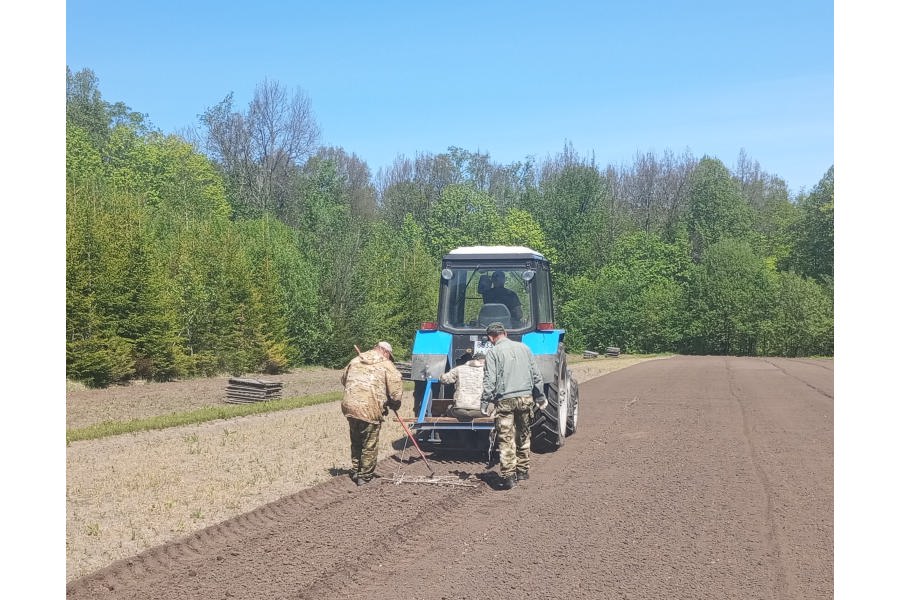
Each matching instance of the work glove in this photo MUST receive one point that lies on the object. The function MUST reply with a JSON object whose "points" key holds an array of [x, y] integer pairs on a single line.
{"points": [[488, 408], [393, 404], [541, 401]]}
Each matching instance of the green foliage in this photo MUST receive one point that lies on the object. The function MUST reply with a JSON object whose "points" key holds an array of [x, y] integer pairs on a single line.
{"points": [[86, 109], [234, 321], [578, 310], [150, 318], [403, 284], [464, 216], [404, 198], [179, 183], [333, 239], [571, 208], [803, 319], [84, 164], [353, 174], [157, 283], [716, 209], [632, 302], [164, 279], [813, 253], [184, 182], [417, 286], [729, 302], [98, 360], [776, 222], [118, 319], [291, 311], [520, 228]]}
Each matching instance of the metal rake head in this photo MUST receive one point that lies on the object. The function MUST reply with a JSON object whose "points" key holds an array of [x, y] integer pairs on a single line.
{"points": [[433, 480]]}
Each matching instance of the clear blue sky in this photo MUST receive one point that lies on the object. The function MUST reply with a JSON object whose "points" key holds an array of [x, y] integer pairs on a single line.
{"points": [[512, 79]]}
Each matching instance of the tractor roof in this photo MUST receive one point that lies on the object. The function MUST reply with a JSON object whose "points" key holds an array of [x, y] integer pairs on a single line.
{"points": [[494, 252]]}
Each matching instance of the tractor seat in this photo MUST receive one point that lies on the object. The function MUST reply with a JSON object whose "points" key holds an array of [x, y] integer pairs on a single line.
{"points": [[491, 313]]}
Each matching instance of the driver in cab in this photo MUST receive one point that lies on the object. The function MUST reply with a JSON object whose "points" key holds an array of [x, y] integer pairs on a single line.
{"points": [[495, 292]]}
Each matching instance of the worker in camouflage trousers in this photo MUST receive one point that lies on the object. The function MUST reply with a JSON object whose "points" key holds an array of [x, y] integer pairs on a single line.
{"points": [[469, 379], [372, 385], [510, 376]]}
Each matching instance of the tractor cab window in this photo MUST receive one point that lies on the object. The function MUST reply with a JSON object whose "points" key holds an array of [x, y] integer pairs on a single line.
{"points": [[543, 310], [474, 298]]}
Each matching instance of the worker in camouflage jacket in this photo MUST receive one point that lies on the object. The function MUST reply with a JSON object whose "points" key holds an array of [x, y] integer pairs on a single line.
{"points": [[510, 377], [469, 380], [372, 385]]}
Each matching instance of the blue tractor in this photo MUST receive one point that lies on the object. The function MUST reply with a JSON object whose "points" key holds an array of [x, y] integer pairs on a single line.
{"points": [[481, 285]]}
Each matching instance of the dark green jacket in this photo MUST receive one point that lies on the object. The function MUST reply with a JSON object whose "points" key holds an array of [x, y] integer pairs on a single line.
{"points": [[509, 371]]}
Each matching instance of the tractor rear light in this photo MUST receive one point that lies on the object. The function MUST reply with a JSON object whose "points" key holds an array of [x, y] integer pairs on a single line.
{"points": [[429, 326], [545, 327]]}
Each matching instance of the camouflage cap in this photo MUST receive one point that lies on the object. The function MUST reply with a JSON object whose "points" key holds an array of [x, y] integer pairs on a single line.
{"points": [[386, 346], [495, 328]]}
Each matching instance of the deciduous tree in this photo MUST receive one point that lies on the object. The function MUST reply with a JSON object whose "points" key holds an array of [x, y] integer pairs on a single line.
{"points": [[464, 216], [572, 209], [729, 301], [813, 253], [259, 150], [716, 209], [803, 320]]}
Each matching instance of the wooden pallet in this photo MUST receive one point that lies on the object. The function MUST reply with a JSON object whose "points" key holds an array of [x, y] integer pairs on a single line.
{"points": [[245, 391], [405, 369]]}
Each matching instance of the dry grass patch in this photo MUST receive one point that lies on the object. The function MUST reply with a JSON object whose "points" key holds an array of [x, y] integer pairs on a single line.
{"points": [[131, 492]]}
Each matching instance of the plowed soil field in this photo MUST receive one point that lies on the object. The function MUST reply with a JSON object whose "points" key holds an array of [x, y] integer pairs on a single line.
{"points": [[688, 478]]}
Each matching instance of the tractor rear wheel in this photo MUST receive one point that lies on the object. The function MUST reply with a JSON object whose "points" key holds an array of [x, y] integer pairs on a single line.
{"points": [[572, 420], [548, 431]]}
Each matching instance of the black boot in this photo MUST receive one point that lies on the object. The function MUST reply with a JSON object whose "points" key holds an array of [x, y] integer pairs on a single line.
{"points": [[507, 483]]}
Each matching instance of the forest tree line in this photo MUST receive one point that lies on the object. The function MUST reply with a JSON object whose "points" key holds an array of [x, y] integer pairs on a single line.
{"points": [[246, 246]]}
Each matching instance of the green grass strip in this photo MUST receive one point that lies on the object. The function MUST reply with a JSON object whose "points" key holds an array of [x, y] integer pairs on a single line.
{"points": [[193, 417]]}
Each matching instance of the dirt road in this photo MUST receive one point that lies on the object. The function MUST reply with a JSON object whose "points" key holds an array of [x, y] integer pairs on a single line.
{"points": [[692, 477]]}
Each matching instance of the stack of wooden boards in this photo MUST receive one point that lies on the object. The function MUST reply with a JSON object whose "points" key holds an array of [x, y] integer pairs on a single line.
{"points": [[405, 369], [245, 391]]}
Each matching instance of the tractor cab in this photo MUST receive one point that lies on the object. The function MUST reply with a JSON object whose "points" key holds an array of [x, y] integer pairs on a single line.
{"points": [[481, 285], [506, 284]]}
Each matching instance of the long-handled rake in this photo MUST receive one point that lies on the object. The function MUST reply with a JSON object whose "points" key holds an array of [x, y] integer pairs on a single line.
{"points": [[431, 477], [415, 443]]}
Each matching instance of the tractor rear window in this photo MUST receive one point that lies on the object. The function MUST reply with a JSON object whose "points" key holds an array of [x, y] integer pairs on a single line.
{"points": [[474, 298]]}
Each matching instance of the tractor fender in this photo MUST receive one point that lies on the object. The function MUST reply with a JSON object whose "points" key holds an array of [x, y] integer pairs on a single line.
{"points": [[430, 353], [545, 345]]}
